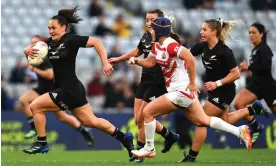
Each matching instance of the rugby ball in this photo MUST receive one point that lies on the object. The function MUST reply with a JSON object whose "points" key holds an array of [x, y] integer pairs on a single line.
{"points": [[41, 54]]}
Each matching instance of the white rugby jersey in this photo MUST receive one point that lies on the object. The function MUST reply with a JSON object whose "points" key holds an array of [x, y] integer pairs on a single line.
{"points": [[174, 69]]}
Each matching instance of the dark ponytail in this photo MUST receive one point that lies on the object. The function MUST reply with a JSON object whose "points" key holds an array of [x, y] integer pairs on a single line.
{"points": [[261, 29], [67, 16], [175, 37]]}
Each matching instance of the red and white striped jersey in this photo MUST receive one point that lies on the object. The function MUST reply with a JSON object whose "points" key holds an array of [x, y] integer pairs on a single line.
{"points": [[174, 69]]}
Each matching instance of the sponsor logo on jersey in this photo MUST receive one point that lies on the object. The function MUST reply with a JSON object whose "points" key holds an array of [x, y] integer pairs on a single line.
{"points": [[54, 52], [163, 56], [54, 57], [61, 46], [254, 52], [206, 63], [213, 57], [147, 46]]}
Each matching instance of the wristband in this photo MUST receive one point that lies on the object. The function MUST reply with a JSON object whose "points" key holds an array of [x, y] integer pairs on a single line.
{"points": [[218, 82]]}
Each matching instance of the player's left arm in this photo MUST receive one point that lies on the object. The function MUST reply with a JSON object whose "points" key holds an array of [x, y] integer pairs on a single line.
{"points": [[233, 75], [229, 62], [98, 45], [149, 62]]}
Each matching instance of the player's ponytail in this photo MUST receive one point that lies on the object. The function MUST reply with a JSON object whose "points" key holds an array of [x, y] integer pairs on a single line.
{"points": [[175, 37], [261, 29], [70, 15], [222, 27], [172, 19], [67, 16]]}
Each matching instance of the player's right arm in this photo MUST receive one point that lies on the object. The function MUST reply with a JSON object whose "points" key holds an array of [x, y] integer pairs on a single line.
{"points": [[98, 45], [133, 53]]}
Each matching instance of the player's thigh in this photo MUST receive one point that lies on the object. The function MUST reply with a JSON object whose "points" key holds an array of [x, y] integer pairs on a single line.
{"points": [[28, 97], [44, 103], [160, 106], [85, 114], [212, 110], [269, 95], [196, 114], [243, 98]]}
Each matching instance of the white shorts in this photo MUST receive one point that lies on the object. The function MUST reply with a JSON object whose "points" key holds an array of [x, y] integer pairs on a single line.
{"points": [[182, 98]]}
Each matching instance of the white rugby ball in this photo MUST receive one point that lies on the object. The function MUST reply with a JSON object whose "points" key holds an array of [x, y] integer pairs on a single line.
{"points": [[41, 54]]}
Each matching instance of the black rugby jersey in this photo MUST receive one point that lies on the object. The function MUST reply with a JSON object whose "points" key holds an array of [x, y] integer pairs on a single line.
{"points": [[218, 61], [153, 75], [260, 62], [62, 55], [43, 82]]}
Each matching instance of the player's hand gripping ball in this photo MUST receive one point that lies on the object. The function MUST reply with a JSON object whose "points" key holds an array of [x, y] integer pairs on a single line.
{"points": [[42, 52]]}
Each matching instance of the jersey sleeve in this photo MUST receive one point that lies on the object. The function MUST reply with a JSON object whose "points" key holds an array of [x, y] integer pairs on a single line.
{"points": [[78, 41], [174, 49], [197, 49], [229, 60], [140, 46]]}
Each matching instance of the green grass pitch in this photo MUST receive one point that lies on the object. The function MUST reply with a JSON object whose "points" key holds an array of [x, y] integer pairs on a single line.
{"points": [[258, 157]]}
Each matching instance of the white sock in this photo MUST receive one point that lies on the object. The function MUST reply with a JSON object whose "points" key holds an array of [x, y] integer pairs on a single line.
{"points": [[149, 132], [219, 124]]}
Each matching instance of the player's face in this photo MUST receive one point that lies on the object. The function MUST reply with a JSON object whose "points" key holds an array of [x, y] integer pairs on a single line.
{"points": [[34, 40], [254, 35], [56, 30], [206, 32], [149, 18]]}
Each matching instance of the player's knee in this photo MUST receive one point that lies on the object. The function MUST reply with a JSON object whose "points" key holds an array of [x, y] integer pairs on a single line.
{"points": [[23, 101], [146, 114], [238, 105], [273, 109], [202, 122], [140, 123], [61, 118], [34, 107]]}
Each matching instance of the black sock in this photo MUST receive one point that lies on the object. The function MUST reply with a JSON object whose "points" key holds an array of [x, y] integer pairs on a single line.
{"points": [[81, 129], [253, 123], [42, 140], [31, 122], [118, 135], [83, 132], [140, 145], [251, 110], [164, 132], [193, 153]]}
